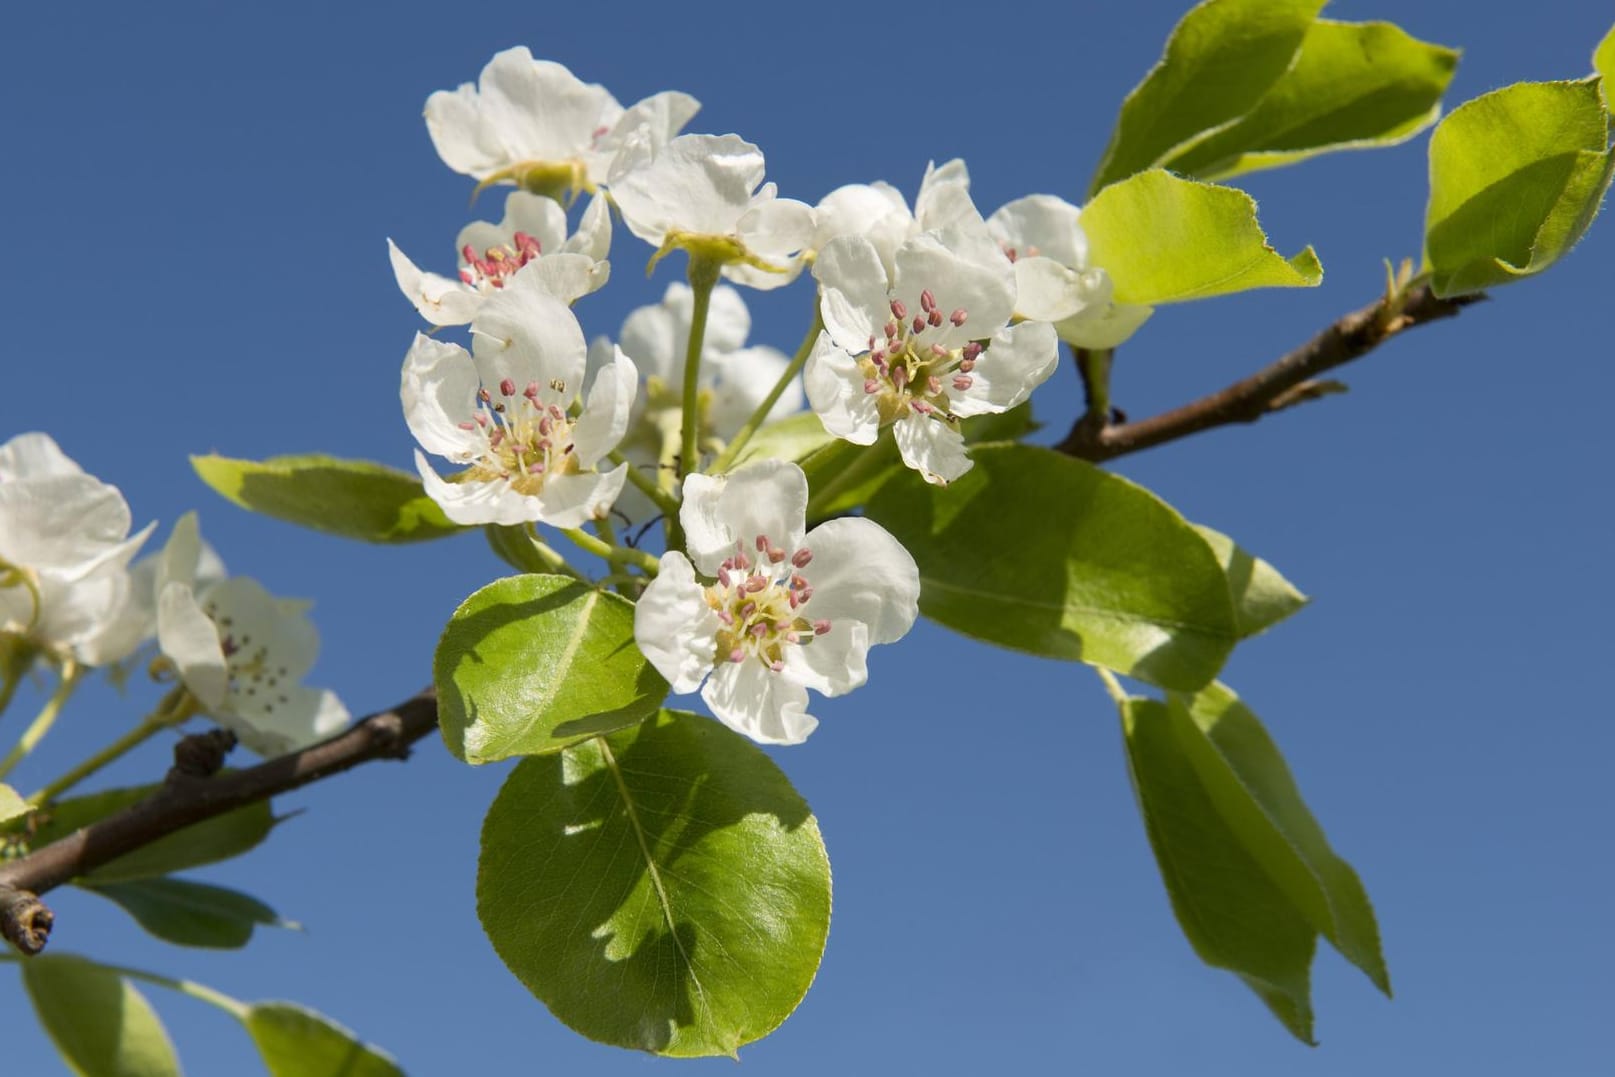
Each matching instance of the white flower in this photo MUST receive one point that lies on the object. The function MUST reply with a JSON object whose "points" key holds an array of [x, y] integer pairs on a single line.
{"points": [[533, 123], [785, 611], [503, 411], [1055, 281], [65, 547], [696, 192], [908, 352], [532, 238], [241, 652]]}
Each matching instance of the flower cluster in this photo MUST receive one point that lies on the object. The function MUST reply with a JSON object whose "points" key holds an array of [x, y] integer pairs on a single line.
{"points": [[926, 317]]}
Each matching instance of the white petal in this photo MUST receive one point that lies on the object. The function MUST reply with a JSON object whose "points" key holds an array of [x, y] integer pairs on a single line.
{"points": [[859, 572], [476, 502], [698, 183], [768, 497], [439, 300], [539, 109], [935, 449], [855, 210], [573, 500], [568, 277], [34, 456], [765, 706], [254, 617], [1041, 224], [741, 380], [67, 523], [835, 391], [854, 300], [454, 120], [605, 417], [832, 664], [439, 391], [294, 719], [985, 291], [674, 627], [593, 236], [1106, 327], [776, 229], [656, 119], [526, 334], [538, 216], [650, 337], [190, 639], [1017, 360], [1047, 291]]}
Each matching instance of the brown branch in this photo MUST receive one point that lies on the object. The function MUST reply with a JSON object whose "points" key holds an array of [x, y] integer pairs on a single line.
{"points": [[189, 796], [1281, 384]]}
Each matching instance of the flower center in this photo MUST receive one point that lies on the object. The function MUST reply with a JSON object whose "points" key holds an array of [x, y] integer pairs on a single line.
{"points": [[253, 673], [759, 600], [908, 374], [498, 263], [524, 440]]}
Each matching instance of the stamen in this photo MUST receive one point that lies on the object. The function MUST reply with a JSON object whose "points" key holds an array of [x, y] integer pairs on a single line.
{"points": [[820, 627], [801, 557], [899, 311], [957, 317]]}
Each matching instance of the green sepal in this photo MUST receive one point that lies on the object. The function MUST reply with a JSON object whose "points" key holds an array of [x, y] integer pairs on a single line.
{"points": [[531, 664], [661, 888], [1166, 239], [355, 499], [1516, 177]]}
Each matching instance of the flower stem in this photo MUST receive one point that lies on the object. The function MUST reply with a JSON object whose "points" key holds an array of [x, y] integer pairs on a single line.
{"points": [[864, 460], [703, 278], [1117, 694], [71, 674], [616, 555], [760, 416], [175, 708]]}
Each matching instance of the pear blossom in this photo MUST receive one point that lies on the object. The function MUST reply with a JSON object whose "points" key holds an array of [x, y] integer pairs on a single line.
{"points": [[503, 411], [1054, 276], [65, 547], [700, 192], [774, 611], [531, 238], [239, 651], [925, 348], [533, 123]]}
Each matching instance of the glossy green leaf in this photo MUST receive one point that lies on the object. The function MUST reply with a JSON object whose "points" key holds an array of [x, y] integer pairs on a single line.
{"points": [[1233, 914], [1516, 176], [531, 664], [211, 840], [1353, 86], [100, 1023], [1220, 60], [297, 1042], [190, 913], [1262, 597], [1039, 552], [12, 805], [662, 888], [1604, 64], [514, 546], [1241, 771], [1165, 239], [352, 498]]}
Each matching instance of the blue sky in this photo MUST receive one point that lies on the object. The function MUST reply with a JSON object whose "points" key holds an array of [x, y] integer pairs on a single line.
{"points": [[195, 206]]}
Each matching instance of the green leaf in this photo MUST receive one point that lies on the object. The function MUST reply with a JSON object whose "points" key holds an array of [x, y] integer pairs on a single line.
{"points": [[211, 840], [1220, 60], [531, 664], [1233, 914], [190, 913], [1262, 597], [352, 498], [1246, 778], [1604, 64], [297, 1042], [1165, 239], [1516, 176], [1353, 86], [1039, 552], [514, 546], [662, 888], [100, 1023], [794, 437], [12, 805]]}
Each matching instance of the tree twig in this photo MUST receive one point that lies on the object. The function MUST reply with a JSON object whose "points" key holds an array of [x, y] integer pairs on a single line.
{"points": [[1273, 387], [186, 798]]}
